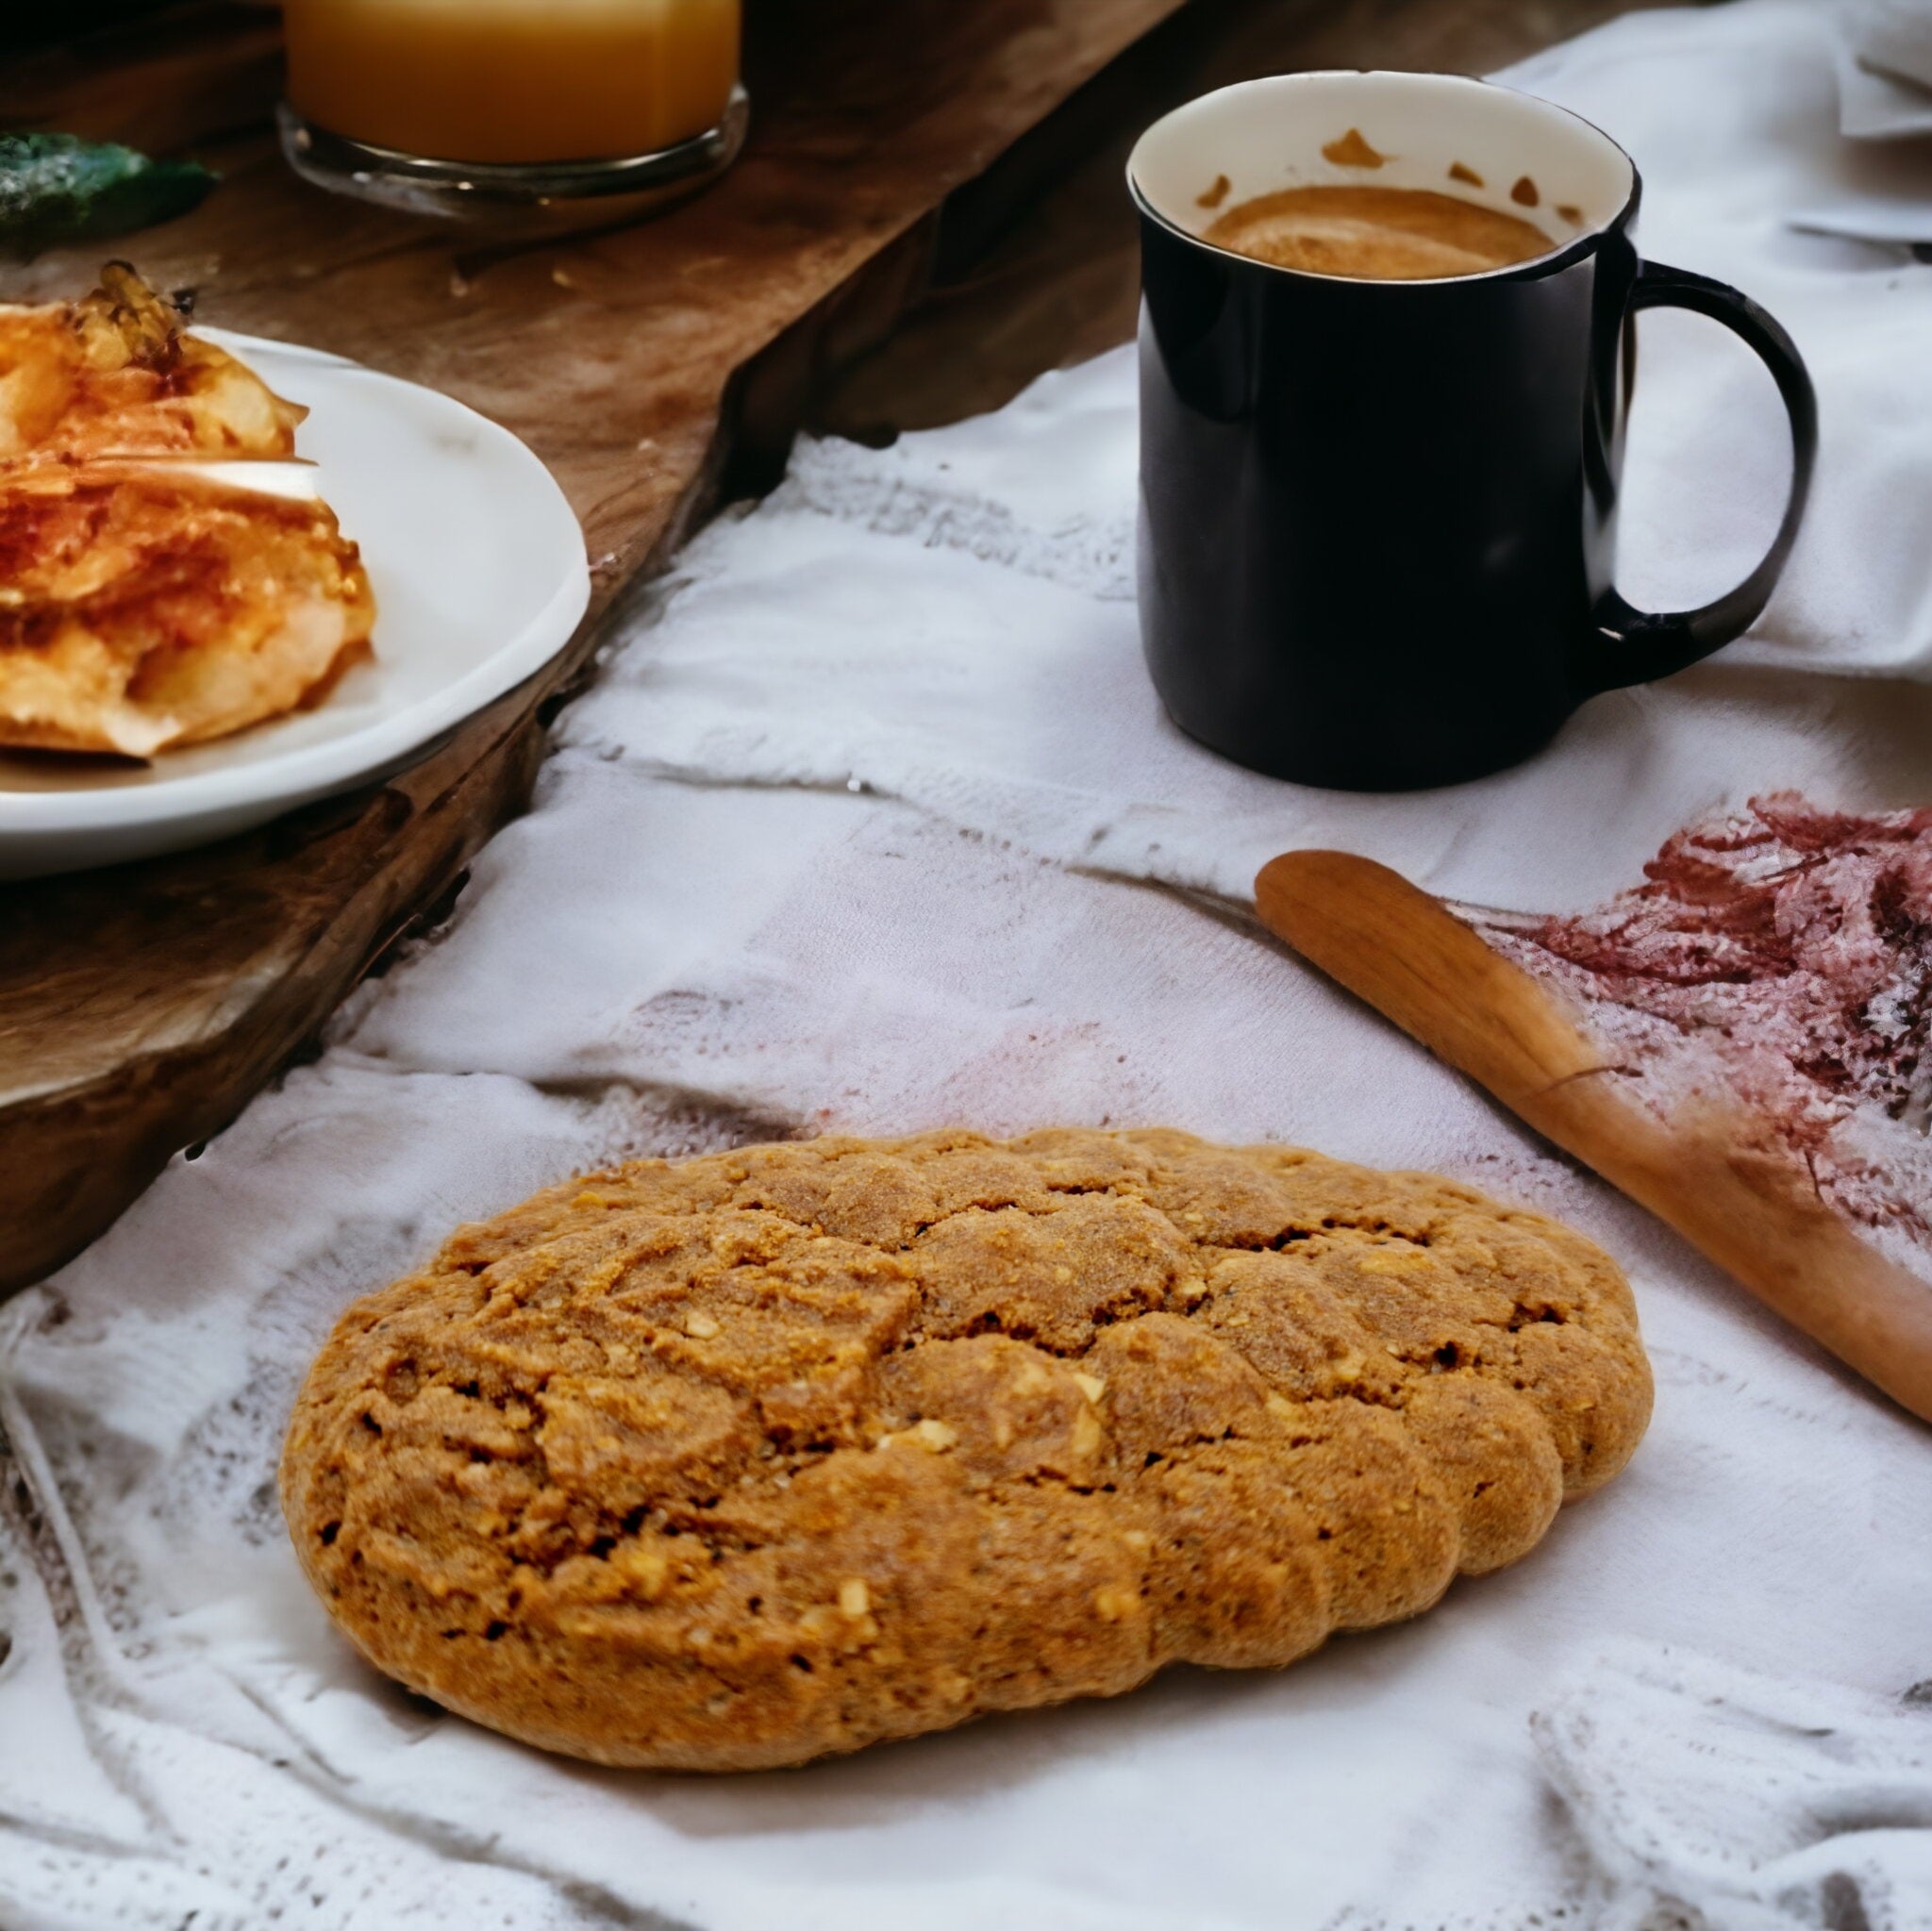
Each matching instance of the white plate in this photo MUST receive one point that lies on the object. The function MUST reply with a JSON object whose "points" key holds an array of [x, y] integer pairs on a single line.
{"points": [[480, 577]]}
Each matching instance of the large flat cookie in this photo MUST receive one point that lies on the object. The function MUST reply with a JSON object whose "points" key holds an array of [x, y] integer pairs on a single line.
{"points": [[731, 1463]]}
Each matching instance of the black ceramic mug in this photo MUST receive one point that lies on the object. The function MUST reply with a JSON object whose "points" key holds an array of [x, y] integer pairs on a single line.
{"points": [[1377, 517]]}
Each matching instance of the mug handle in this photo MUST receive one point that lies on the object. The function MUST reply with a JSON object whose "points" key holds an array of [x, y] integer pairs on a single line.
{"points": [[1633, 646]]}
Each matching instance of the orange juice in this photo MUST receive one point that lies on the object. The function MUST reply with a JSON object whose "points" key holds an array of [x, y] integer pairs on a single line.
{"points": [[514, 80]]}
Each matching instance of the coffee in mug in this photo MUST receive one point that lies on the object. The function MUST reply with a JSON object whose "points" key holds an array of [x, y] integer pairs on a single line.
{"points": [[1377, 234], [1387, 349]]}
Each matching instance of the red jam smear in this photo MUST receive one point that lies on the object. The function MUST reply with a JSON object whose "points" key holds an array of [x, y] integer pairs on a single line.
{"points": [[1791, 947]]}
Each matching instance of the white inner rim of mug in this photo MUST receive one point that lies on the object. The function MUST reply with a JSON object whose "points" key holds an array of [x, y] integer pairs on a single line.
{"points": [[1261, 135]]}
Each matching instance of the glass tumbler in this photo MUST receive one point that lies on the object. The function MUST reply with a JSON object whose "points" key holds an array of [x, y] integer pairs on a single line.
{"points": [[518, 109]]}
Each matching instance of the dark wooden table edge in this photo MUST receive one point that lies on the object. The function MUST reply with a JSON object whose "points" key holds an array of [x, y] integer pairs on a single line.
{"points": [[763, 405]]}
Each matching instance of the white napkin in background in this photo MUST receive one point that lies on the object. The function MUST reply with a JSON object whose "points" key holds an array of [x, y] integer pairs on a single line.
{"points": [[868, 827], [1892, 37], [1877, 107], [1882, 57]]}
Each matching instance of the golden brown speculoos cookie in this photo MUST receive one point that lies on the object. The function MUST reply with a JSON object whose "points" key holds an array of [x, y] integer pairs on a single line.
{"points": [[734, 1462]]}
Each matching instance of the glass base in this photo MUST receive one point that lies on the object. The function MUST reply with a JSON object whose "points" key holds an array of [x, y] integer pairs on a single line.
{"points": [[532, 195]]}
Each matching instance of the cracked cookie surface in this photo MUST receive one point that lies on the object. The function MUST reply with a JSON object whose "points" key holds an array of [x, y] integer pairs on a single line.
{"points": [[734, 1462]]}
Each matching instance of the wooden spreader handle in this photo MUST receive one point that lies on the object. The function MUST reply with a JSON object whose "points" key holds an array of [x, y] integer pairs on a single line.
{"points": [[1738, 1202]]}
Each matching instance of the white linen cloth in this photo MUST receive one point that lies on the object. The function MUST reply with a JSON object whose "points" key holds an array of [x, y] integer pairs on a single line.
{"points": [[1884, 50], [1892, 35], [872, 823], [1876, 105], [1877, 187], [1769, 1802]]}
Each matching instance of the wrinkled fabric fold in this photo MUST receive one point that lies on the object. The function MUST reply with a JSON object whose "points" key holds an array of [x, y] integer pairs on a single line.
{"points": [[873, 823]]}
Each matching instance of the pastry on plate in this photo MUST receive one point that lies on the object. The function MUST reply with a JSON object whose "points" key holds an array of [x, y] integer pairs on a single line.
{"points": [[166, 575], [736, 1462], [115, 374], [144, 607]]}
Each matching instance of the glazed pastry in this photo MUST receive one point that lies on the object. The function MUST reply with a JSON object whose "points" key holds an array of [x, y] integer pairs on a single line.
{"points": [[116, 374], [167, 575], [146, 608]]}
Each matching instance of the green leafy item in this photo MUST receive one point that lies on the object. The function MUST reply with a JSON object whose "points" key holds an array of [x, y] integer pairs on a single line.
{"points": [[58, 188]]}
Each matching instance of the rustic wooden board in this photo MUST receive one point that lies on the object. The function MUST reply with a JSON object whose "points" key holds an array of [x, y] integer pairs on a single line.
{"points": [[140, 1007]]}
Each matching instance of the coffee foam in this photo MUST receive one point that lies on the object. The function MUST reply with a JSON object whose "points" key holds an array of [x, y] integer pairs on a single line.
{"points": [[1377, 234]]}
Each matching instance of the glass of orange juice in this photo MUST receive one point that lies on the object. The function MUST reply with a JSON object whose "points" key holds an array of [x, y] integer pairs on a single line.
{"points": [[495, 108]]}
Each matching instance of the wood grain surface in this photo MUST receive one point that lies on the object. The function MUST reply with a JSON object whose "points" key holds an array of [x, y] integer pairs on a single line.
{"points": [[930, 214], [140, 1007], [1729, 1190]]}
